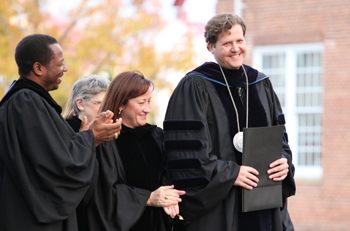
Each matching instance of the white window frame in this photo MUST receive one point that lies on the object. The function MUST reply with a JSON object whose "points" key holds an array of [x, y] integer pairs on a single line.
{"points": [[289, 109]]}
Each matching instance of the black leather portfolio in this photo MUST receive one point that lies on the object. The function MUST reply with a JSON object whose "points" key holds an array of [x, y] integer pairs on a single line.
{"points": [[261, 147]]}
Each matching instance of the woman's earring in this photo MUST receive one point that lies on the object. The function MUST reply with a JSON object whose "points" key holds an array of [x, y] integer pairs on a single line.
{"points": [[81, 109], [120, 111]]}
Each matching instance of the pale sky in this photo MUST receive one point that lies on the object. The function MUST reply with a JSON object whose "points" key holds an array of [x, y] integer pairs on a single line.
{"points": [[197, 10]]}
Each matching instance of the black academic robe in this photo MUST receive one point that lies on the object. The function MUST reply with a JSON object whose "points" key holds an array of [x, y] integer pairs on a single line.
{"points": [[82, 218], [45, 167], [116, 205], [199, 125], [74, 122]]}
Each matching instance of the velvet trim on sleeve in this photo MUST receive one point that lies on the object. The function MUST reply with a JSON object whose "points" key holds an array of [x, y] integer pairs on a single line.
{"points": [[193, 100]]}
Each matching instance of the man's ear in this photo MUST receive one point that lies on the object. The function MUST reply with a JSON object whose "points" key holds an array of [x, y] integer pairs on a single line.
{"points": [[38, 68], [210, 47]]}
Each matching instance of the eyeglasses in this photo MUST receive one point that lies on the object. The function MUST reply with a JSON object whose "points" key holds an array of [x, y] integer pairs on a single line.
{"points": [[96, 102]]}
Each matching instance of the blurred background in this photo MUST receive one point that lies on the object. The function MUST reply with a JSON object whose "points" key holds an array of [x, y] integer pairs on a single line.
{"points": [[302, 45], [106, 37]]}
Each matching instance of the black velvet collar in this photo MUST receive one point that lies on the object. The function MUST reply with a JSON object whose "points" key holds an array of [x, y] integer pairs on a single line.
{"points": [[139, 131], [22, 83], [234, 77], [237, 81]]}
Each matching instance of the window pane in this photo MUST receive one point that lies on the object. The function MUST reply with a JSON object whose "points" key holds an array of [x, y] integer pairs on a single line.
{"points": [[308, 106], [274, 67], [309, 139], [302, 98]]}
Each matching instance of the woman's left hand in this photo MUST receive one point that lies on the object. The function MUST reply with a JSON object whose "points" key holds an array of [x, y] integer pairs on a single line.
{"points": [[278, 169], [165, 196], [172, 210]]}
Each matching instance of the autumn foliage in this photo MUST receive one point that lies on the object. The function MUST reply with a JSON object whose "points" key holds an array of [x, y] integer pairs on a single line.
{"points": [[101, 37]]}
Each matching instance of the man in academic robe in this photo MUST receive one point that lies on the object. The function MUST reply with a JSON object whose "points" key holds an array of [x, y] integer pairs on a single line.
{"points": [[45, 167], [205, 112]]}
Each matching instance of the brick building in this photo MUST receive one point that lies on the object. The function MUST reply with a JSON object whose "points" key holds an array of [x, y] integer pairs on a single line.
{"points": [[303, 46]]}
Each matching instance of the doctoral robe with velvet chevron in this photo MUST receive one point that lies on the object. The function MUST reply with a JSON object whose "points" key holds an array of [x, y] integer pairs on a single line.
{"points": [[199, 126]]}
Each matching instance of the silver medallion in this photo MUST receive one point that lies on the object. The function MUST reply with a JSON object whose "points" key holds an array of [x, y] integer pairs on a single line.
{"points": [[238, 141], [238, 138]]}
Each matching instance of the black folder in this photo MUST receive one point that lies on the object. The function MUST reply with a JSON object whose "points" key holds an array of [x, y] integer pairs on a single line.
{"points": [[261, 147]]}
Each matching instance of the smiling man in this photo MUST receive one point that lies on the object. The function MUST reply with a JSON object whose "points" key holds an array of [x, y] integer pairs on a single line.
{"points": [[206, 114], [45, 167]]}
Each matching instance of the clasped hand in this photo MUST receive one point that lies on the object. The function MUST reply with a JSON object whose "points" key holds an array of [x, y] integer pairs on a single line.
{"points": [[168, 198], [247, 176]]}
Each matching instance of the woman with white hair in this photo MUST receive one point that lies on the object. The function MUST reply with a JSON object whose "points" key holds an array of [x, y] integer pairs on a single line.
{"points": [[85, 100]]}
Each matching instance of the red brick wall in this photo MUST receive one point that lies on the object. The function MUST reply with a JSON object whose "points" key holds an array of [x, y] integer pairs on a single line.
{"points": [[322, 205], [224, 6]]}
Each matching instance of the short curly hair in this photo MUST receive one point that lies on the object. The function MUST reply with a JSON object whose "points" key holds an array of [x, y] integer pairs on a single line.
{"points": [[219, 23], [31, 49]]}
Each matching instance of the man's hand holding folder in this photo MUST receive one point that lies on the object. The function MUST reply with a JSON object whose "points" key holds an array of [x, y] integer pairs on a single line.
{"points": [[263, 168]]}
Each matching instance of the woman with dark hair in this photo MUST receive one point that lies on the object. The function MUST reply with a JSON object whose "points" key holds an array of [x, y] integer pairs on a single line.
{"points": [[128, 195]]}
